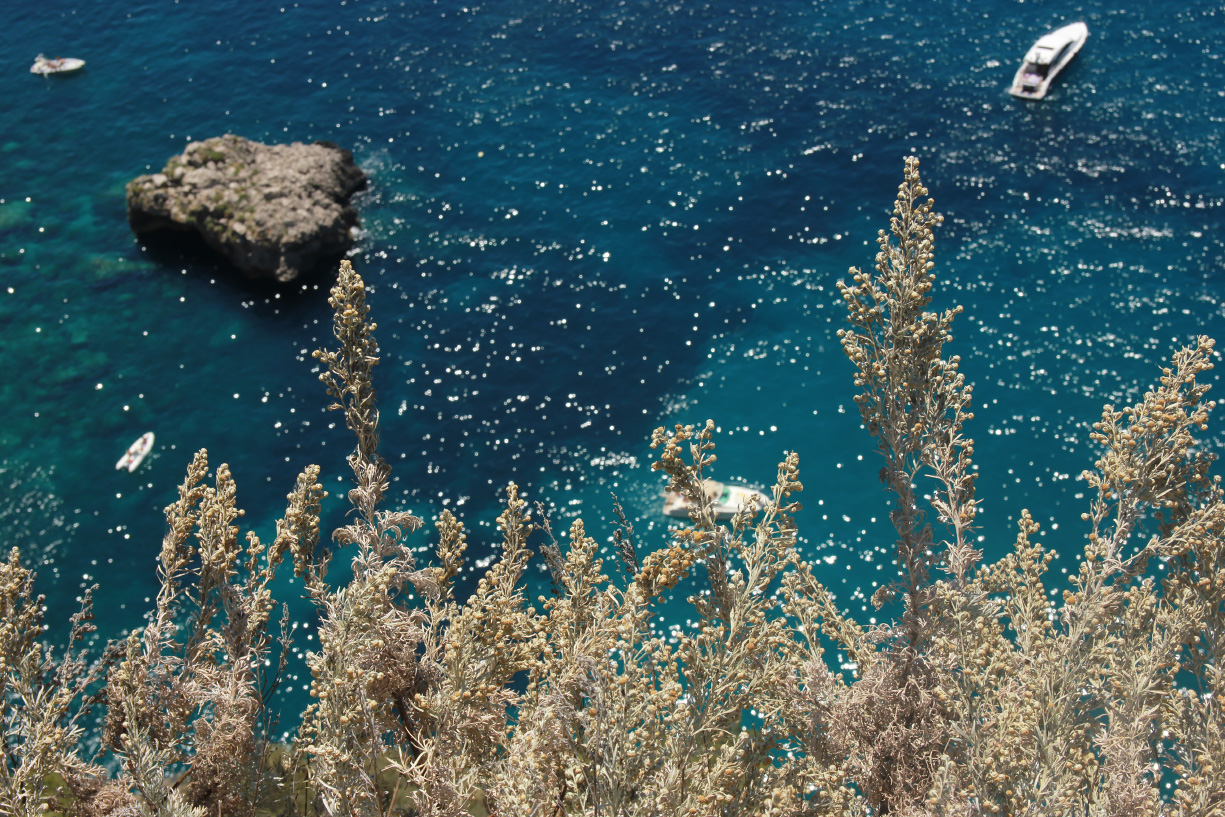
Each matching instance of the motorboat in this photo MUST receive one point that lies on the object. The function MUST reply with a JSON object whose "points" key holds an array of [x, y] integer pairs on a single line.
{"points": [[59, 65], [136, 453], [725, 499], [1046, 59]]}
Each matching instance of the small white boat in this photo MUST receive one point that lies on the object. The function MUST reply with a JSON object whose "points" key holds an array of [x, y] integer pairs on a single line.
{"points": [[59, 65], [725, 499], [1046, 59], [136, 452]]}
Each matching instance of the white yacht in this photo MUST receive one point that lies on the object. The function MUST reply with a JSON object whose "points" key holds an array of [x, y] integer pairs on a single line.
{"points": [[1046, 59], [725, 500], [59, 65]]}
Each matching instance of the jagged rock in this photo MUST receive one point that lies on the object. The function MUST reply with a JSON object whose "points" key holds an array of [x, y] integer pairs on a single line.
{"points": [[272, 210]]}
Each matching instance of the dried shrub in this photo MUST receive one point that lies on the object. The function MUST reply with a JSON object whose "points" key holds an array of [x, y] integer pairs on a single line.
{"points": [[984, 696]]}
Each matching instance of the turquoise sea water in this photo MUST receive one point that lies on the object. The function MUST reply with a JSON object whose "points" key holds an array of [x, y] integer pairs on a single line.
{"points": [[586, 220]]}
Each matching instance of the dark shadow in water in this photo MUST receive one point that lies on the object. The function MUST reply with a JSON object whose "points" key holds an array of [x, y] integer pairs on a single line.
{"points": [[187, 250]]}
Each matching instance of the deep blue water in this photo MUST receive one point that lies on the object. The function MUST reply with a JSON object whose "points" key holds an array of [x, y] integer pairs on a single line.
{"points": [[586, 220]]}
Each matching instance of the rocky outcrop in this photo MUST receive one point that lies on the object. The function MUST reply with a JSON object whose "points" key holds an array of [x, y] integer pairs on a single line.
{"points": [[272, 210]]}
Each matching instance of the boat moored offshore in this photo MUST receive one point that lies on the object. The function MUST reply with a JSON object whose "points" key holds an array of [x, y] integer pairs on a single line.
{"points": [[725, 500], [59, 65], [136, 453], [1046, 59]]}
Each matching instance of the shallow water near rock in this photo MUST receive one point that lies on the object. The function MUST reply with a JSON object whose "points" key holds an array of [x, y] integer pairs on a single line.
{"points": [[586, 221]]}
